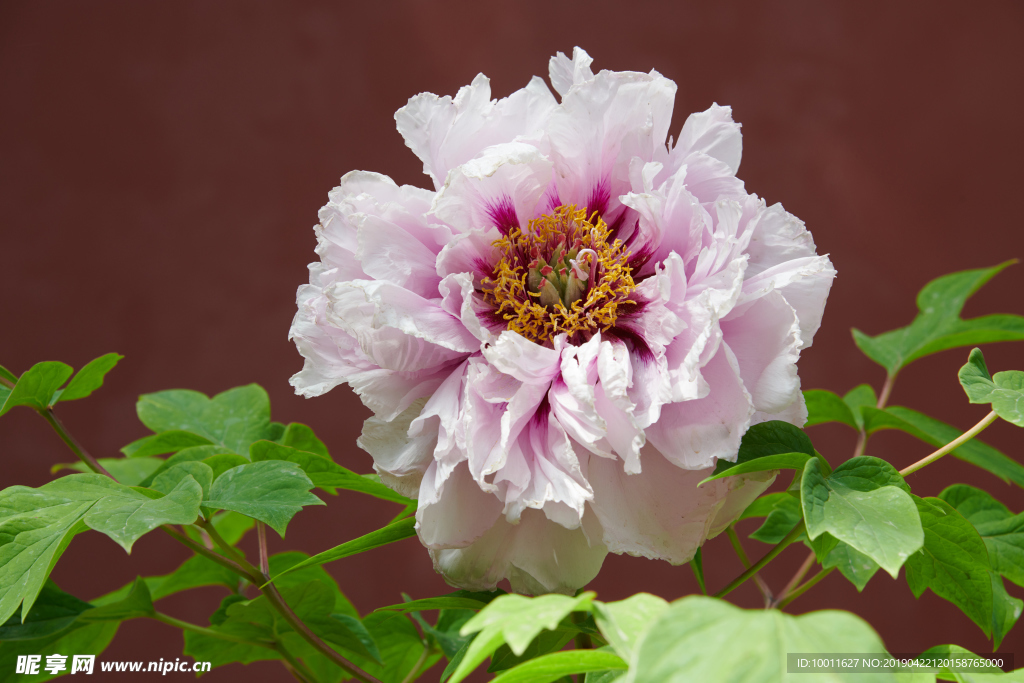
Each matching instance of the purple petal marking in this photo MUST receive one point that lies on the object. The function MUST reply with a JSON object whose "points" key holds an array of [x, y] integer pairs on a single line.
{"points": [[635, 339], [540, 418], [600, 195], [503, 213]]}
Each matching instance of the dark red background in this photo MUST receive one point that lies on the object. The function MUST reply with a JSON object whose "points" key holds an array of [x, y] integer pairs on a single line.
{"points": [[161, 166]]}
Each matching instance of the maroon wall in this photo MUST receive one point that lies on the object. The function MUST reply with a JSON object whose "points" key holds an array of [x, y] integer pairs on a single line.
{"points": [[161, 166]]}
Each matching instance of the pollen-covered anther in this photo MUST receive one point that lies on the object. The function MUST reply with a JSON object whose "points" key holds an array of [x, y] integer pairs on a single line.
{"points": [[544, 287]]}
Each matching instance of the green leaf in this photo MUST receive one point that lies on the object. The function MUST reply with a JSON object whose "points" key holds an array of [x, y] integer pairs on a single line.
{"points": [[401, 648], [53, 611], [191, 454], [1001, 530], [554, 666], [283, 562], [1005, 391], [953, 562], [857, 399], [88, 379], [168, 480], [219, 463], [165, 442], [881, 522], [857, 567], [1006, 610], [704, 639], [938, 325], [323, 471], [824, 406], [393, 532], [763, 506], [769, 438], [942, 652], [783, 517], [138, 603], [457, 600], [622, 622], [36, 385], [233, 419], [75, 640], [547, 641], [128, 471], [782, 461], [271, 491], [301, 437], [8, 375], [515, 620], [194, 572], [936, 433]]}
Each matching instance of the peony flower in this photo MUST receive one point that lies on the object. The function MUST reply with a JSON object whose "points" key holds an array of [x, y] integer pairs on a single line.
{"points": [[561, 337]]}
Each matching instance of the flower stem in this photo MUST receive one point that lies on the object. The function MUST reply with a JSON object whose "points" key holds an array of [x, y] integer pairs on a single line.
{"points": [[769, 556], [883, 398], [195, 628], [952, 445], [797, 578], [75, 447], [809, 584], [766, 592], [261, 533]]}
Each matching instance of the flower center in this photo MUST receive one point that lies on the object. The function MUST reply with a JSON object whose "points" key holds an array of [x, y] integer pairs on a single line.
{"points": [[559, 276]]}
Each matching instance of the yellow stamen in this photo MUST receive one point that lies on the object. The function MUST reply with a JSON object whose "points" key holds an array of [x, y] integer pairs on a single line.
{"points": [[567, 227]]}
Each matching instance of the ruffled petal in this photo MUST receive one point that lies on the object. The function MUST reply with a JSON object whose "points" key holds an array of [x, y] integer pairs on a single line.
{"points": [[446, 133], [714, 133], [660, 513], [536, 556], [694, 434], [500, 188], [565, 73]]}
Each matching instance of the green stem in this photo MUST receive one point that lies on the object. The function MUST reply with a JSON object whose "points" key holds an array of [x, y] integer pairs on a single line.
{"points": [[952, 445], [211, 531], [766, 591], [195, 628], [415, 670], [299, 670], [75, 447], [261, 534], [883, 398], [797, 578], [199, 549], [769, 556], [809, 584]]}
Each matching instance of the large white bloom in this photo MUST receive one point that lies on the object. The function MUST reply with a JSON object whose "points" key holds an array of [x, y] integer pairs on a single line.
{"points": [[561, 337]]}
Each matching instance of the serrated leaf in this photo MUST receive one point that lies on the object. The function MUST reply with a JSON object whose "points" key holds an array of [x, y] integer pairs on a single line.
{"points": [[768, 438], [552, 667], [36, 386], [323, 471], [704, 639], [515, 620], [824, 406], [1005, 391], [393, 532], [622, 622], [936, 433], [89, 378], [953, 562], [270, 491], [938, 325], [165, 442], [128, 471], [233, 419], [881, 522]]}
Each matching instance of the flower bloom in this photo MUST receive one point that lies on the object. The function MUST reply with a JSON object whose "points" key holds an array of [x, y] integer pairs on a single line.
{"points": [[563, 336]]}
